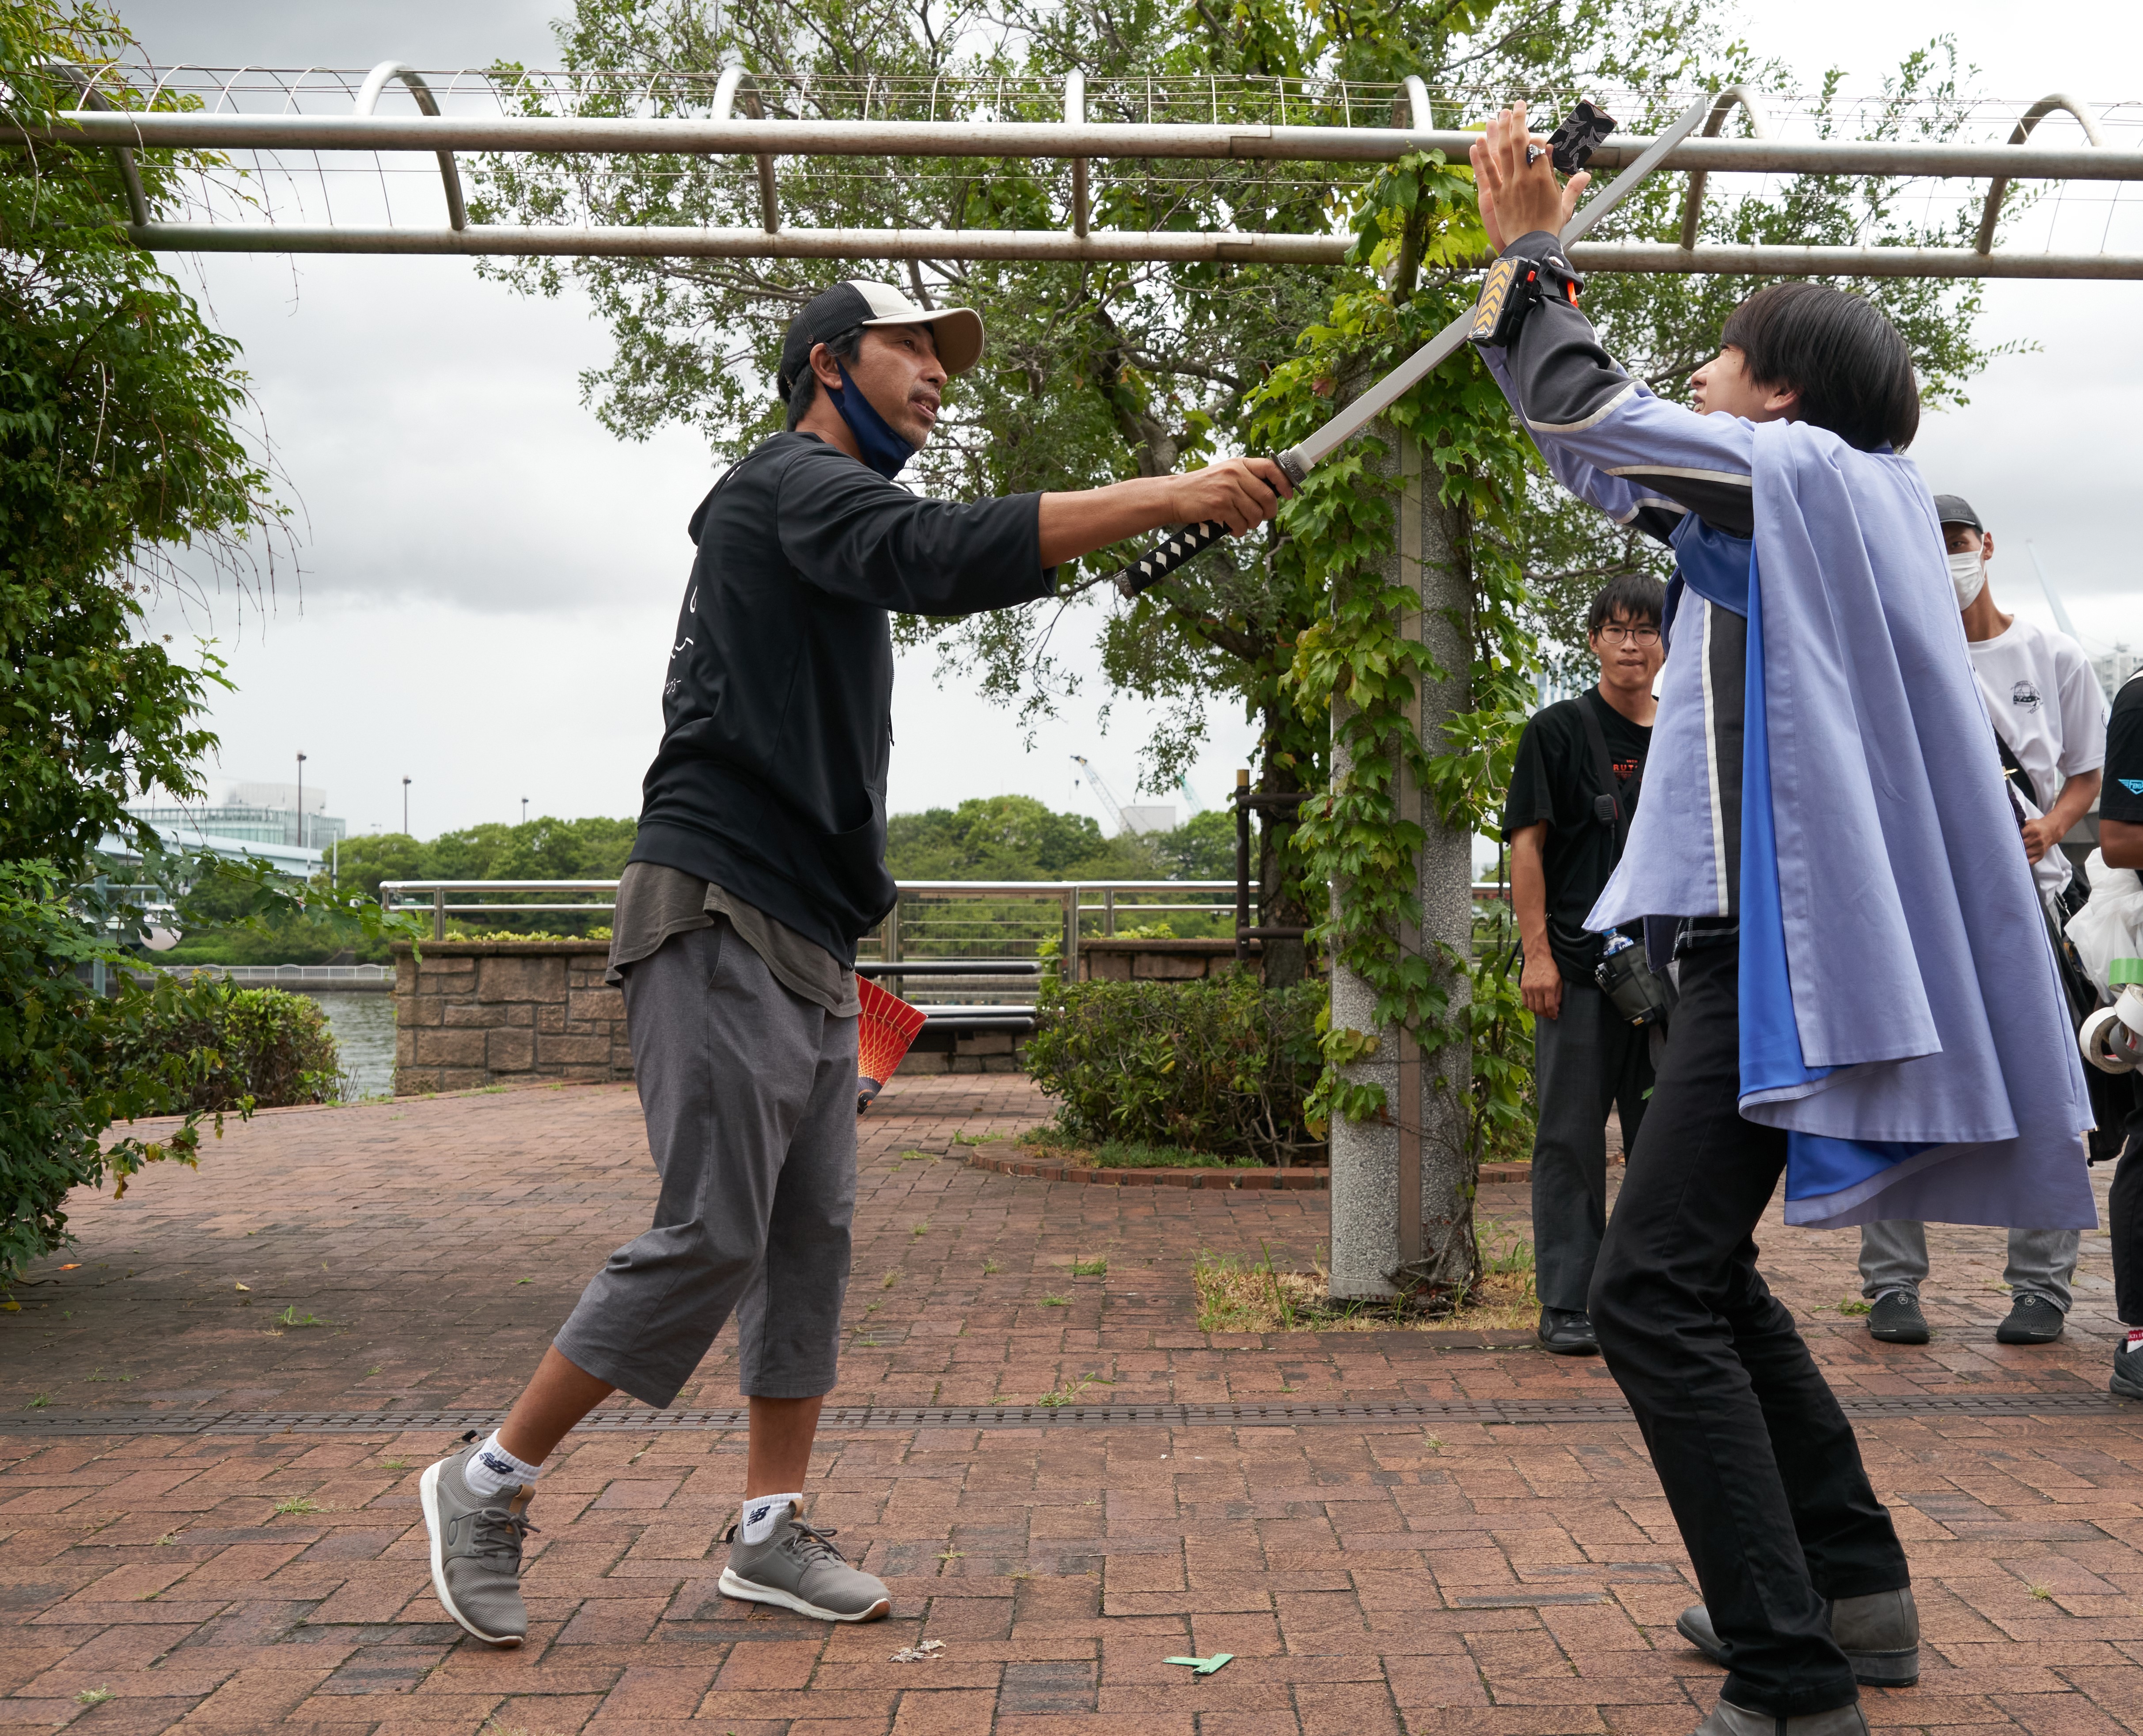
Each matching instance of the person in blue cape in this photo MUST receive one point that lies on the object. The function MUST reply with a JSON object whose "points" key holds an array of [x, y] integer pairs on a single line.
{"points": [[1868, 999]]}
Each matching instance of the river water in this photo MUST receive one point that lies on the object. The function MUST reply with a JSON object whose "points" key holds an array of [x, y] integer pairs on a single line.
{"points": [[363, 1028]]}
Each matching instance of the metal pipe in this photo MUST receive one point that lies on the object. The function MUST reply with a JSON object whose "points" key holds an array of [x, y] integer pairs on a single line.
{"points": [[368, 99], [1851, 261], [1075, 115], [682, 135], [1169, 245], [735, 77], [1721, 105], [129, 173], [1242, 863], [2038, 112]]}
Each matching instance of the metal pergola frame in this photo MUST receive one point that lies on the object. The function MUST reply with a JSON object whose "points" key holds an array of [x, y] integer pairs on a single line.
{"points": [[1074, 139]]}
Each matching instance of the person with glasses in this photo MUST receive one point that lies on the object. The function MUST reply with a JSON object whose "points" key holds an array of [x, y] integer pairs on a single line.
{"points": [[1565, 820]]}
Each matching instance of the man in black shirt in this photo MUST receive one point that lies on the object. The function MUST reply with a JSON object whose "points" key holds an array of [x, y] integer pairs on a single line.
{"points": [[760, 859], [2120, 842], [1568, 811]]}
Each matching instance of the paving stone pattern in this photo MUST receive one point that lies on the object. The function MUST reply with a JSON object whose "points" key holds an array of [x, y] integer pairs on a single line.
{"points": [[1461, 1576]]}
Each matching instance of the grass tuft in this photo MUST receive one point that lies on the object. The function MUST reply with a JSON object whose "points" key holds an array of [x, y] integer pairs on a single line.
{"points": [[1235, 1295], [296, 1504]]}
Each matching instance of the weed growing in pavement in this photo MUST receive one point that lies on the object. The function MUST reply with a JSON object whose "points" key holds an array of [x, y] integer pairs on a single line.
{"points": [[38, 1401], [1056, 1301], [920, 1230], [990, 1267], [892, 1278], [981, 1139], [296, 1504], [167, 1540], [2042, 1591], [1068, 1391], [393, 1464], [1236, 1296], [94, 1696], [290, 1316], [1854, 1305], [1090, 1269]]}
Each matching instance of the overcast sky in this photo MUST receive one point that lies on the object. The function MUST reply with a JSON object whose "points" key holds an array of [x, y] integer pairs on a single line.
{"points": [[487, 579]]}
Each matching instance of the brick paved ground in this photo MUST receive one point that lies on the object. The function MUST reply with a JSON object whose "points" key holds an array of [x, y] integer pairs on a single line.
{"points": [[1507, 1580]]}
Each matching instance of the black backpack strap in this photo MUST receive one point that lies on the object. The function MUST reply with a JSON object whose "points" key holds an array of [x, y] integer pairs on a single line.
{"points": [[2018, 777], [1603, 763]]}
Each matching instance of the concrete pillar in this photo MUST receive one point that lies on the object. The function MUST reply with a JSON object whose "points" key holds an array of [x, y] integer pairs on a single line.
{"points": [[1401, 1185]]}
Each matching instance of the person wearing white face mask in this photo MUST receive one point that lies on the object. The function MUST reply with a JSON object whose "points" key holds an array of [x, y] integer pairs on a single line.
{"points": [[2049, 717]]}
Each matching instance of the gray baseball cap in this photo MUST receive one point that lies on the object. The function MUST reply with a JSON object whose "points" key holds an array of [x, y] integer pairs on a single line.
{"points": [[1956, 509]]}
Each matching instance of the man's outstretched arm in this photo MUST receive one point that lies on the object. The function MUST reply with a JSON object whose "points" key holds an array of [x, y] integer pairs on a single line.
{"points": [[1240, 493]]}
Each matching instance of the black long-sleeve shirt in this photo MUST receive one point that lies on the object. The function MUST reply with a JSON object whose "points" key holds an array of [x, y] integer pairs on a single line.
{"points": [[777, 708]]}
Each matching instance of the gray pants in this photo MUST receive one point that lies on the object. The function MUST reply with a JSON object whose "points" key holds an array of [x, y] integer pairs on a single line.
{"points": [[1893, 1256], [749, 1093], [1589, 1060]]}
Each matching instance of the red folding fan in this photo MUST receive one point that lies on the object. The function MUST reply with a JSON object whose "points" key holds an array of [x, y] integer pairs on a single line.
{"points": [[887, 1027]]}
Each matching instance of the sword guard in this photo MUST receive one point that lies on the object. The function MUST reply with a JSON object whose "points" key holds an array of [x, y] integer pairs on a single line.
{"points": [[1168, 554]]}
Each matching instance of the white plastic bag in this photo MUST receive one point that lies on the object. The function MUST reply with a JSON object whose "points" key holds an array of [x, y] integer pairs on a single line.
{"points": [[2111, 926]]}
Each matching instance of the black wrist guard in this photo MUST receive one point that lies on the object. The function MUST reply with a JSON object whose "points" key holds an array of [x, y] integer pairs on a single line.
{"points": [[1512, 289]]}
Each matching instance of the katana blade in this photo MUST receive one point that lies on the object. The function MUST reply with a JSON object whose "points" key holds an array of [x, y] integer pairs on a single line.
{"points": [[1298, 461]]}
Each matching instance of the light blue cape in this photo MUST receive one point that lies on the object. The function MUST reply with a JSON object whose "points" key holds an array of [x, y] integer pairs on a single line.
{"points": [[1901, 1014]]}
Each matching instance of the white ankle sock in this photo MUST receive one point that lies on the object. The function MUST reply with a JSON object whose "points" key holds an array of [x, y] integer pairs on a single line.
{"points": [[491, 1470], [762, 1513]]}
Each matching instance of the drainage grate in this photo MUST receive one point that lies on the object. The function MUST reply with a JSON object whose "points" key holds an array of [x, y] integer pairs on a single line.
{"points": [[637, 1420]]}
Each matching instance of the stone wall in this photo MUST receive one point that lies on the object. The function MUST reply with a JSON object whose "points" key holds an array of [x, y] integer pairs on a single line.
{"points": [[494, 1012], [1105, 959]]}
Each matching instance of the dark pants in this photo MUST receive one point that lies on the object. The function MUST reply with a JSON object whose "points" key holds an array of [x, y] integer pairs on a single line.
{"points": [[2124, 1223], [1586, 1062], [1760, 1465]]}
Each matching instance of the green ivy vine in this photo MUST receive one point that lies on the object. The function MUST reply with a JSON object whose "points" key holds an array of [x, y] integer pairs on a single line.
{"points": [[1416, 229]]}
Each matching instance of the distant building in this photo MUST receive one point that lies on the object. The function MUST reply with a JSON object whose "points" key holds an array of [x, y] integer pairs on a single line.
{"points": [[256, 814], [2116, 667]]}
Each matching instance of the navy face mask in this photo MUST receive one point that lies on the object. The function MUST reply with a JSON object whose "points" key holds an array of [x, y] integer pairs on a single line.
{"points": [[883, 449]]}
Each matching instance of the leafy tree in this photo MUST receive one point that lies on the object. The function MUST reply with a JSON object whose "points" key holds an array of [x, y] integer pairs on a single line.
{"points": [[121, 445], [1100, 371]]}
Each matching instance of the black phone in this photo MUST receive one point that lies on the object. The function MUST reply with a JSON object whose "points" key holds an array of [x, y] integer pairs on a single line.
{"points": [[1583, 130]]}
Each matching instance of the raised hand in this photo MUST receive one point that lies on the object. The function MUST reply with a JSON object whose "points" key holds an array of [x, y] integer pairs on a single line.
{"points": [[1517, 197]]}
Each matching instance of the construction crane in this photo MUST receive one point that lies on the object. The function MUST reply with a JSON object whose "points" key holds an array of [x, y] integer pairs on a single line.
{"points": [[1109, 805], [1192, 804]]}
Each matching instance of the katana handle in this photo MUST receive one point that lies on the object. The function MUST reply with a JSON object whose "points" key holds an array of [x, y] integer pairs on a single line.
{"points": [[1171, 552], [1179, 546]]}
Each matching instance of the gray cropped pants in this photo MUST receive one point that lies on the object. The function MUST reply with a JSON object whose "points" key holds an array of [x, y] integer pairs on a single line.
{"points": [[749, 1093], [1893, 1256]]}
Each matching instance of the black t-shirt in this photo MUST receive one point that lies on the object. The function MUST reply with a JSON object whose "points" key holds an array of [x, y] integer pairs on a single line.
{"points": [[1556, 779], [2120, 796], [777, 709]]}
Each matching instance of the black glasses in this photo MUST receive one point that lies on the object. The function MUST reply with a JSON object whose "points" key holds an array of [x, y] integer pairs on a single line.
{"points": [[1631, 635]]}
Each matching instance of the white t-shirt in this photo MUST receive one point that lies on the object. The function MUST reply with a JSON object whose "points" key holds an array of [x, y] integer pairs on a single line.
{"points": [[2045, 701], [2047, 706]]}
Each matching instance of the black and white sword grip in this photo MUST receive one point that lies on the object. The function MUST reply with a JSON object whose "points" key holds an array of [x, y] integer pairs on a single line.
{"points": [[1179, 545], [1171, 552]]}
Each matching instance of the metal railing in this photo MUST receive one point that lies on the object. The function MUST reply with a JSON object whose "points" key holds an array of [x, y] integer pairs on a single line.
{"points": [[987, 936], [130, 107]]}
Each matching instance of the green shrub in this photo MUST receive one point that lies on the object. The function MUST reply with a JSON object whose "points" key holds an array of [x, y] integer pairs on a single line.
{"points": [[1219, 1065], [243, 1048]]}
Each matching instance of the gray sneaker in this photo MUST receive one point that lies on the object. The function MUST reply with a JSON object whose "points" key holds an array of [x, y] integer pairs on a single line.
{"points": [[476, 1550], [1879, 1634], [799, 1568]]}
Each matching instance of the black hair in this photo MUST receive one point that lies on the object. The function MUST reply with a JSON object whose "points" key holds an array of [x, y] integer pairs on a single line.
{"points": [[798, 393], [1849, 363], [1637, 595]]}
